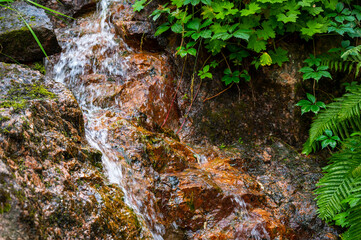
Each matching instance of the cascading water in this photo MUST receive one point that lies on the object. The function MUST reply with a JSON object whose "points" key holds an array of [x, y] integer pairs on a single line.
{"points": [[93, 53], [94, 49]]}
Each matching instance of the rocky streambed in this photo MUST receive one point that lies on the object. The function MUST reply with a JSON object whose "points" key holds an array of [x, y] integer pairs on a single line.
{"points": [[83, 154]]}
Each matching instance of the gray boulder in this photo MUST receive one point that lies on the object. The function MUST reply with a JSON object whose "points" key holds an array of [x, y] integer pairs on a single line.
{"points": [[17, 42]]}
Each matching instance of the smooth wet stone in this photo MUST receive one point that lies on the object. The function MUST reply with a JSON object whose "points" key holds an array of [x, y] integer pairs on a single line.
{"points": [[16, 39]]}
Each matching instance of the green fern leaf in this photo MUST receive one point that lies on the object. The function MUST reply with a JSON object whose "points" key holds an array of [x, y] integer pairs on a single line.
{"points": [[338, 183], [354, 220], [340, 116]]}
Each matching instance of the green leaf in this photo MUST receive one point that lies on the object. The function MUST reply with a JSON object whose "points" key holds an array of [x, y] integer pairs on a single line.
{"points": [[306, 70], [227, 71], [206, 23], [303, 102], [279, 56], [222, 35], [256, 44], [192, 51], [206, 34], [315, 109], [161, 29], [177, 27], [251, 9], [206, 68], [194, 24], [328, 132], [178, 3], [306, 3], [242, 34], [196, 35], [321, 104], [314, 11], [245, 75], [206, 2], [285, 18], [332, 143], [321, 138], [313, 61], [336, 138], [139, 5], [340, 219], [321, 68], [49, 9], [305, 109], [214, 64], [233, 27], [208, 13], [215, 46], [339, 7], [195, 2], [313, 27], [265, 59], [266, 32], [311, 97]]}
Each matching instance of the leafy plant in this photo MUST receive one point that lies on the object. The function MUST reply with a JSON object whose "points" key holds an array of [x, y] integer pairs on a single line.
{"points": [[310, 105], [204, 73], [314, 70], [328, 139], [234, 77], [342, 117]]}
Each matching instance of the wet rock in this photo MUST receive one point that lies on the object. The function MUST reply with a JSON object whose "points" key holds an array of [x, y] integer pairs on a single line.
{"points": [[138, 34], [15, 38], [207, 193], [135, 28], [70, 8], [56, 187]]}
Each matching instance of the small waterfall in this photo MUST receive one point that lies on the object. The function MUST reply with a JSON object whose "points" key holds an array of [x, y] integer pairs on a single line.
{"points": [[92, 52], [90, 47]]}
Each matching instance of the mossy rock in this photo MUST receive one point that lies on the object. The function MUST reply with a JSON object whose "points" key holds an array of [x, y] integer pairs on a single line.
{"points": [[18, 44]]}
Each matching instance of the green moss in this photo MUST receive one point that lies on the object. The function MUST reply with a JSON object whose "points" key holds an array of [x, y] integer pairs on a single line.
{"points": [[39, 67], [16, 105], [5, 200], [18, 95], [4, 119]]}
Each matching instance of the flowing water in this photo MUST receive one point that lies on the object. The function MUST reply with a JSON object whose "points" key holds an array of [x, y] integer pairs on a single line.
{"points": [[95, 49], [91, 48]]}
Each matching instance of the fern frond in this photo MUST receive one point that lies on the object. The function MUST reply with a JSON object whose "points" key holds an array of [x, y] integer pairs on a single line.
{"points": [[354, 223], [338, 183], [351, 52], [340, 116], [349, 60]]}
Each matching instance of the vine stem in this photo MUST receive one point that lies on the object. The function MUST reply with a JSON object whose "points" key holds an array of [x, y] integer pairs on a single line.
{"points": [[225, 59], [175, 94], [218, 93]]}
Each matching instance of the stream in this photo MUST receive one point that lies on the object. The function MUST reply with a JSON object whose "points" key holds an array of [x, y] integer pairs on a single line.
{"points": [[98, 67]]}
